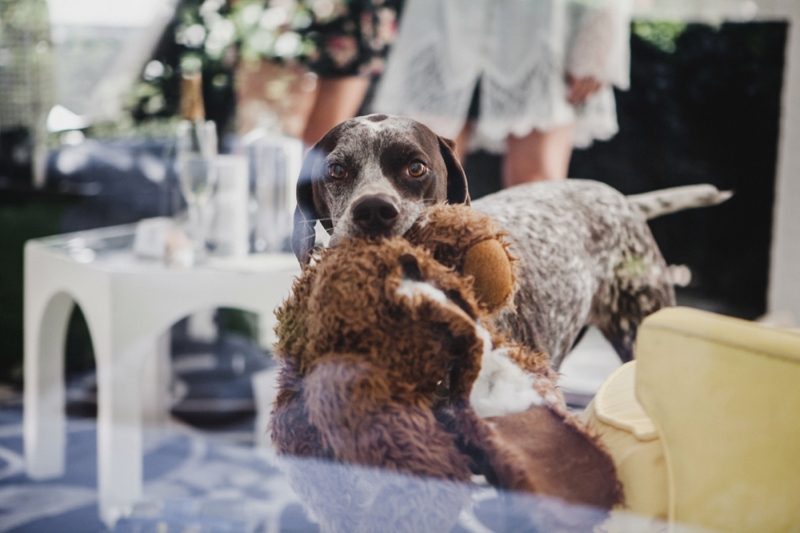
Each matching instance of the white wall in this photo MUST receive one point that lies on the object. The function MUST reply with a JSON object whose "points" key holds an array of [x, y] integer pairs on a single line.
{"points": [[784, 283]]}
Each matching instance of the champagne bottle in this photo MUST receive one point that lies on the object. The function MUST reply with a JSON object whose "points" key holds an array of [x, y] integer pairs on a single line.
{"points": [[197, 142], [196, 154]]}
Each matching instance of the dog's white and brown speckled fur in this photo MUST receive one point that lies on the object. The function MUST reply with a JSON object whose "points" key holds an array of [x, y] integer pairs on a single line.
{"points": [[587, 256]]}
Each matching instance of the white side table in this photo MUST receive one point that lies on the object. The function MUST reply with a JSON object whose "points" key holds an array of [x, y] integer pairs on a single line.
{"points": [[129, 306]]}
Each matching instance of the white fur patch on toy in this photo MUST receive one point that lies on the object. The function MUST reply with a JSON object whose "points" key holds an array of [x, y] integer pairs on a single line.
{"points": [[409, 288], [502, 387]]}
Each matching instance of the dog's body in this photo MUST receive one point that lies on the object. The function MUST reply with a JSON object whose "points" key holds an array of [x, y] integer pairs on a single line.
{"points": [[586, 253], [587, 257]]}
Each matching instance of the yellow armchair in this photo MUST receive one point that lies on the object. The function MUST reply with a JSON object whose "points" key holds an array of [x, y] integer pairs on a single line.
{"points": [[714, 438]]}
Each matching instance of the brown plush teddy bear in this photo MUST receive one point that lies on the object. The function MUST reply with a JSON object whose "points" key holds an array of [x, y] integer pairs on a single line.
{"points": [[388, 361]]}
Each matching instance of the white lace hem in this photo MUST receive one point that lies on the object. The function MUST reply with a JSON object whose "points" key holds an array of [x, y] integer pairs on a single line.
{"points": [[596, 120]]}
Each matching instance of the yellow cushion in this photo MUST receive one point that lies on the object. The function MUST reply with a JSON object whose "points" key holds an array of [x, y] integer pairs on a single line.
{"points": [[724, 395], [629, 436]]}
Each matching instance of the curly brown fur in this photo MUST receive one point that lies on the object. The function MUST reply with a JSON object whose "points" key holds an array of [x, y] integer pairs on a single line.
{"points": [[454, 234], [351, 404], [359, 277], [450, 232], [378, 341]]}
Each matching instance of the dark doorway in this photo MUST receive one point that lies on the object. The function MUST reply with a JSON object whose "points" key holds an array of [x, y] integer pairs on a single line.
{"points": [[703, 107]]}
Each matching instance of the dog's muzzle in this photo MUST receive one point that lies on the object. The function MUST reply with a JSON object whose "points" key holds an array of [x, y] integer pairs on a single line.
{"points": [[375, 214]]}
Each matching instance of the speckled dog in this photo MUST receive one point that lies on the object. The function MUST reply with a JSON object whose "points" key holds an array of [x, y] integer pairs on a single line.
{"points": [[587, 256]]}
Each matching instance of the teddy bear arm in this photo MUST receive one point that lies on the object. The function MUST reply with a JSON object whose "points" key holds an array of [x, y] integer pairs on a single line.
{"points": [[351, 404], [289, 427], [291, 432], [540, 451]]}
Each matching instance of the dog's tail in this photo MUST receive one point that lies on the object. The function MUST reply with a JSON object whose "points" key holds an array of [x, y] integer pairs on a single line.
{"points": [[656, 203]]}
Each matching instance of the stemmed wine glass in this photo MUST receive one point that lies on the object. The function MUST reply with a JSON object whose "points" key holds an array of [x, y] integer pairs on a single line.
{"points": [[197, 176]]}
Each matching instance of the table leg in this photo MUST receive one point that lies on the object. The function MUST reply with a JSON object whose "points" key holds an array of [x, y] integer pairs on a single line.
{"points": [[119, 430], [44, 423], [157, 375]]}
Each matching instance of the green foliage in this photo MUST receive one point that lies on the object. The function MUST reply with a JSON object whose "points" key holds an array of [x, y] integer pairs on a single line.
{"points": [[237, 321], [269, 32], [18, 223], [662, 35], [126, 127], [211, 36]]}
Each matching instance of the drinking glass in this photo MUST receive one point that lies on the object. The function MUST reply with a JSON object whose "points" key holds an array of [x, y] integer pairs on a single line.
{"points": [[197, 177], [275, 163]]}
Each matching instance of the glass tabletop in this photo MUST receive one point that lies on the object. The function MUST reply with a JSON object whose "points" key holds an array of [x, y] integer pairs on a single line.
{"points": [[112, 248]]}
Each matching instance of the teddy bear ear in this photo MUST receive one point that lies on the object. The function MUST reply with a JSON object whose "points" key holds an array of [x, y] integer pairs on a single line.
{"points": [[410, 265]]}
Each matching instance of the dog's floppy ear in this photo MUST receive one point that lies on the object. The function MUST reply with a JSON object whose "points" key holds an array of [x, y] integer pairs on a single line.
{"points": [[457, 190], [305, 214]]}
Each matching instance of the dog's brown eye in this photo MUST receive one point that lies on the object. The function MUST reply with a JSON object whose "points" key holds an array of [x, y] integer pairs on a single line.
{"points": [[417, 169], [337, 171]]}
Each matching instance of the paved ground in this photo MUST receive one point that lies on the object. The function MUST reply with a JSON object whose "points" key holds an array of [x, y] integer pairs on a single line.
{"points": [[589, 364]]}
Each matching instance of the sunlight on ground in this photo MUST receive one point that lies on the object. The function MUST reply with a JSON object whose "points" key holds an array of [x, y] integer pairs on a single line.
{"points": [[589, 364]]}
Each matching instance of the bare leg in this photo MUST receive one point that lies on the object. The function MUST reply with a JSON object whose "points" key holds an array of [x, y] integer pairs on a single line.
{"points": [[539, 156], [337, 100]]}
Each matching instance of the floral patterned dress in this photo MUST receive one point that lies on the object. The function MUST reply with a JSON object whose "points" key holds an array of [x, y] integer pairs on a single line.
{"points": [[349, 37]]}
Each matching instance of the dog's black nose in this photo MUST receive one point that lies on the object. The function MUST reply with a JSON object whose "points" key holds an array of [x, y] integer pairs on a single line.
{"points": [[375, 214]]}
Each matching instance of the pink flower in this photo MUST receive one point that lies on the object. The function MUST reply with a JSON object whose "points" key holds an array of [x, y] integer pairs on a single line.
{"points": [[387, 26], [343, 50]]}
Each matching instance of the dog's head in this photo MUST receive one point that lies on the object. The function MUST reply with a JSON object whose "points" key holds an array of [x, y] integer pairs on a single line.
{"points": [[374, 176]]}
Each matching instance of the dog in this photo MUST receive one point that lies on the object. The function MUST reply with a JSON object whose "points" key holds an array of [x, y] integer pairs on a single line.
{"points": [[587, 256]]}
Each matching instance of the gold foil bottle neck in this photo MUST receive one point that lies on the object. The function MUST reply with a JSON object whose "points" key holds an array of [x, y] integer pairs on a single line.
{"points": [[192, 97]]}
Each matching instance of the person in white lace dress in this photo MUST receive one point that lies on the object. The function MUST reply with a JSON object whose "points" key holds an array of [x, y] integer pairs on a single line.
{"points": [[544, 68]]}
